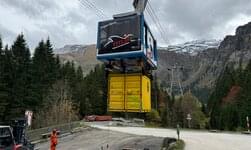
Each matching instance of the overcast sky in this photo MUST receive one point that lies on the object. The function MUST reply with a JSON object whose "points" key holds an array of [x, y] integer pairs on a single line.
{"points": [[69, 22]]}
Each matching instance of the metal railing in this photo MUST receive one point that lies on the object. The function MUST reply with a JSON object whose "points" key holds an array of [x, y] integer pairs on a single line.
{"points": [[37, 134]]}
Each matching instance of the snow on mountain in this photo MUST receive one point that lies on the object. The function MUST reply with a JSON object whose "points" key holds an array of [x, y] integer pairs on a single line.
{"points": [[70, 49], [193, 47]]}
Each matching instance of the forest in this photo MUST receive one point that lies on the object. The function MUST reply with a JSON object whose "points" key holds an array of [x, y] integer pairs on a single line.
{"points": [[230, 102], [55, 91]]}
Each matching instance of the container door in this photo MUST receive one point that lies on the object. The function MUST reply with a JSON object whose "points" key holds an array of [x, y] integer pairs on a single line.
{"points": [[133, 92], [146, 94], [116, 93]]}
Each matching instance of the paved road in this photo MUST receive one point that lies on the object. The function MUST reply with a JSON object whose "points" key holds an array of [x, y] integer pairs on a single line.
{"points": [[94, 139], [195, 140]]}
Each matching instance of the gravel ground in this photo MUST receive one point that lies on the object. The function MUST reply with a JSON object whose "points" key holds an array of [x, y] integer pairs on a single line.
{"points": [[94, 139]]}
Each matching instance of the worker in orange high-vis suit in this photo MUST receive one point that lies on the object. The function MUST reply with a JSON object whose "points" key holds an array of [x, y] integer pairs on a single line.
{"points": [[54, 139]]}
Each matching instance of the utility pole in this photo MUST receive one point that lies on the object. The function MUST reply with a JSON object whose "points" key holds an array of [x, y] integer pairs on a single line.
{"points": [[248, 126], [178, 131], [181, 90], [176, 79], [171, 90]]}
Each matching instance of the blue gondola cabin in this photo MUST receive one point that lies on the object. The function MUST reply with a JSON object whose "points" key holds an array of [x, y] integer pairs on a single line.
{"points": [[127, 37]]}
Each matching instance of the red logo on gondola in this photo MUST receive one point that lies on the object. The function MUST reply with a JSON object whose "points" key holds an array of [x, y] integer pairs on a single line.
{"points": [[118, 41]]}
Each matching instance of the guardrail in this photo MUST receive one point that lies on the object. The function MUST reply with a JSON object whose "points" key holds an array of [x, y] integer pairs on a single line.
{"points": [[37, 134], [135, 122]]}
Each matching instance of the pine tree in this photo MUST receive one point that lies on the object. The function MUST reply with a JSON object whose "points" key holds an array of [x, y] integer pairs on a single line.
{"points": [[44, 72], [3, 92], [6, 81], [1, 46], [20, 91], [94, 89], [223, 85], [51, 62], [244, 100], [38, 75], [229, 116], [78, 94], [155, 92], [58, 68]]}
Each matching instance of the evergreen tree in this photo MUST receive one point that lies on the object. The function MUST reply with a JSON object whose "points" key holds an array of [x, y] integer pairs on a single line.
{"points": [[223, 85], [1, 46], [44, 72], [39, 83], [231, 115], [6, 82], [155, 92], [58, 68], [244, 100], [95, 89], [51, 62], [3, 92], [20, 86]]}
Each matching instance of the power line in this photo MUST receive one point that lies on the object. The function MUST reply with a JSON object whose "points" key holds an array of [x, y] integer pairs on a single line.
{"points": [[158, 21], [155, 19], [99, 10], [154, 14], [88, 4], [157, 26]]}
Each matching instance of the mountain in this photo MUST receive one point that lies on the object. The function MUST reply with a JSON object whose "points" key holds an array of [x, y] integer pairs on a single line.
{"points": [[193, 70], [70, 49], [198, 63], [192, 56], [236, 49], [230, 101], [193, 47], [81, 55], [201, 70]]}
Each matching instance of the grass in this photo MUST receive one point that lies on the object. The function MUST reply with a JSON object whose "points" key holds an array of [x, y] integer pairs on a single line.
{"points": [[152, 125]]}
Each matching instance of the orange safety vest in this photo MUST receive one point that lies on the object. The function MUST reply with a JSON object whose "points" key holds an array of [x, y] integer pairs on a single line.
{"points": [[54, 141]]}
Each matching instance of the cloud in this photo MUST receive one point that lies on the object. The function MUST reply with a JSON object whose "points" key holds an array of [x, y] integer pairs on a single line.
{"points": [[198, 19], [70, 22], [7, 34], [65, 22], [32, 8]]}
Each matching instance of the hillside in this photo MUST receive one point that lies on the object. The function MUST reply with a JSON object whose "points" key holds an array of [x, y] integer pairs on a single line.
{"points": [[194, 62], [83, 55], [201, 61], [201, 70]]}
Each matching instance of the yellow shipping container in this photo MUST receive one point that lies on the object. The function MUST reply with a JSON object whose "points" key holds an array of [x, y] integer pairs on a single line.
{"points": [[129, 93]]}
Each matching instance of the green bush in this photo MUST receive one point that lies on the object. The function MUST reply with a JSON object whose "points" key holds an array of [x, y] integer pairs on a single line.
{"points": [[179, 145], [153, 116], [199, 120]]}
